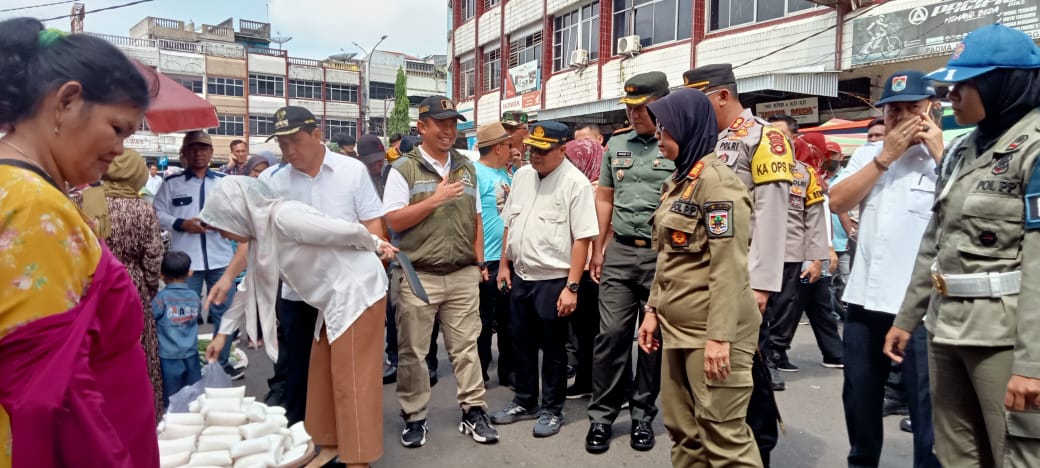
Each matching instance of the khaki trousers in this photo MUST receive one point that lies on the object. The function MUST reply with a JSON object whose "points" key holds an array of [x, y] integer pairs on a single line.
{"points": [[972, 426], [705, 420], [345, 389], [454, 302]]}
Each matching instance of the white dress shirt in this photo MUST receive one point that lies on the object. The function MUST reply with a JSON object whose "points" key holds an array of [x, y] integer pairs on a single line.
{"points": [[892, 221], [545, 215], [342, 189], [397, 194], [153, 184]]}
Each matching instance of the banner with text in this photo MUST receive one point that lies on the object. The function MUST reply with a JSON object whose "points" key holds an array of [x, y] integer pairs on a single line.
{"points": [[523, 78], [805, 110], [935, 29]]}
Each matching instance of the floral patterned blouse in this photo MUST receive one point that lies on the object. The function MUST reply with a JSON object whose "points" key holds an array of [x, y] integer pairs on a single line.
{"points": [[48, 255]]}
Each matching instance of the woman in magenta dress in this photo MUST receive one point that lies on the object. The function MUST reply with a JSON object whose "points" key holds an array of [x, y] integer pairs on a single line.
{"points": [[75, 389]]}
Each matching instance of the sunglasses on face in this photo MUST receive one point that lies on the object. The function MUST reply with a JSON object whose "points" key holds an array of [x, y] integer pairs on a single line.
{"points": [[539, 151]]}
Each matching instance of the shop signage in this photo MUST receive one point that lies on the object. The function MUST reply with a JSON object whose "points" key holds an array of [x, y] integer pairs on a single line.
{"points": [[523, 78], [529, 102], [935, 29], [805, 110]]}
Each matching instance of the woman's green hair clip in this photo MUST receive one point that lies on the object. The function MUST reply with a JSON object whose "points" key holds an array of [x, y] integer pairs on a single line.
{"points": [[50, 36]]}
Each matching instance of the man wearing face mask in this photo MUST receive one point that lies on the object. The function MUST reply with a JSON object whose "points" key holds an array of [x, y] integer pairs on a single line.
{"points": [[894, 187], [975, 277], [629, 191]]}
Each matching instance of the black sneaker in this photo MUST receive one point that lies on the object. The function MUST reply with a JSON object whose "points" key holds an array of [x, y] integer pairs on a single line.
{"points": [[572, 375], [578, 392], [548, 424], [235, 374], [834, 363], [778, 382], [414, 434], [476, 423], [389, 374], [513, 413], [906, 425], [894, 408], [784, 365]]}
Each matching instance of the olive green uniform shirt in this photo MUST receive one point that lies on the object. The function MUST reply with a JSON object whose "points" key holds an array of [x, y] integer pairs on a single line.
{"points": [[978, 226], [702, 287], [635, 169]]}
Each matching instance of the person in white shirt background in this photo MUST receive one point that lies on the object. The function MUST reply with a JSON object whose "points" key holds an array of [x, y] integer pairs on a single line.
{"points": [[894, 186]]}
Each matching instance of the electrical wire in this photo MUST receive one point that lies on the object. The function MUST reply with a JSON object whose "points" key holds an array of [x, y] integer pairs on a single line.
{"points": [[35, 6], [114, 7]]}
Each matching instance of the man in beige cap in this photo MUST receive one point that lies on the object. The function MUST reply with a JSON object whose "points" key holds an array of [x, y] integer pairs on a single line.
{"points": [[493, 181]]}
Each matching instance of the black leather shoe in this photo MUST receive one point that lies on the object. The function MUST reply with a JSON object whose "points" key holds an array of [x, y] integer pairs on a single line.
{"points": [[642, 436], [598, 438]]}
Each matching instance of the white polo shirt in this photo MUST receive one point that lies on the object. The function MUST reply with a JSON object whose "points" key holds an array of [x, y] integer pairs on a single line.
{"points": [[544, 217], [892, 221], [396, 194], [342, 189]]}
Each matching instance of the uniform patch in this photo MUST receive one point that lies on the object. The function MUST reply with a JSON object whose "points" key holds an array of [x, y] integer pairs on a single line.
{"points": [[814, 192], [737, 123], [690, 210], [1002, 165], [987, 238], [998, 187], [620, 175], [718, 218], [777, 142], [678, 239], [796, 202], [1017, 143], [1032, 199], [657, 163], [799, 175], [796, 190], [898, 83]]}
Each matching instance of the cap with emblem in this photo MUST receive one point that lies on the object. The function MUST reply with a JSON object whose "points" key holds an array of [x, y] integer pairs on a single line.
{"points": [[986, 49], [513, 119], [439, 108], [197, 136], [709, 76], [491, 134], [370, 149], [644, 86], [906, 86], [289, 120], [547, 135]]}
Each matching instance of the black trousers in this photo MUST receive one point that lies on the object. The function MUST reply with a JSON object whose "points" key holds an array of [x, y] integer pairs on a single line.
{"points": [[815, 300], [783, 309], [763, 414], [296, 320], [494, 318], [535, 324], [866, 369], [584, 328]]}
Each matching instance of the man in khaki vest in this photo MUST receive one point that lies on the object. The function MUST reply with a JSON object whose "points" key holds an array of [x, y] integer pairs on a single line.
{"points": [[431, 201]]}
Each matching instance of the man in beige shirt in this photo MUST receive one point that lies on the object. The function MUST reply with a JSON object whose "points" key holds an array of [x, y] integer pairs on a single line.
{"points": [[550, 219]]}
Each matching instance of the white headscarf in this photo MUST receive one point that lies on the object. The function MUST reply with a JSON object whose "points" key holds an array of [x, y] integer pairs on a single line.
{"points": [[245, 206]]}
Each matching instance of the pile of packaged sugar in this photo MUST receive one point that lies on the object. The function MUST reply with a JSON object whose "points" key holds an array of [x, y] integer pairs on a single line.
{"points": [[225, 428]]}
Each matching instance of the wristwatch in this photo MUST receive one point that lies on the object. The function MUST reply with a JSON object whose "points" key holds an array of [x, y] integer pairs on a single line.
{"points": [[572, 287]]}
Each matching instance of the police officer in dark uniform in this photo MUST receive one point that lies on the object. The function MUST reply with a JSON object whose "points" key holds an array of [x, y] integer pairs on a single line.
{"points": [[629, 191], [762, 158]]}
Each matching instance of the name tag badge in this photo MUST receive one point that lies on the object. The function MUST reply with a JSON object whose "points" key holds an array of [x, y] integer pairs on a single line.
{"points": [[687, 209], [181, 200]]}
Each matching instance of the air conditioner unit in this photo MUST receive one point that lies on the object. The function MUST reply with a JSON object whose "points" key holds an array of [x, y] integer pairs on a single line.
{"points": [[628, 45], [579, 58]]}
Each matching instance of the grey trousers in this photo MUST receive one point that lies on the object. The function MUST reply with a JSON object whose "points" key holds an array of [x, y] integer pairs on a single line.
{"points": [[628, 273]]}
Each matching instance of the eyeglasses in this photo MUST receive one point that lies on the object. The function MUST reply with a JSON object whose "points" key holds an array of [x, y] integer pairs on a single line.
{"points": [[709, 93], [539, 151]]}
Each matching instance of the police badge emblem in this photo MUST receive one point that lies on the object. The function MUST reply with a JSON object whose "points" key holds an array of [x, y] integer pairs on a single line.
{"points": [[718, 222], [1002, 165], [898, 83]]}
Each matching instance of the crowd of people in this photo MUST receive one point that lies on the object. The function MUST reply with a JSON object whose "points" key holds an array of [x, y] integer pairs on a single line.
{"points": [[700, 229]]}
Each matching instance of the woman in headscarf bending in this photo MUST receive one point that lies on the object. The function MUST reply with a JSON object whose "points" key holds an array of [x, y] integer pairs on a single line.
{"points": [[701, 297], [128, 224], [332, 264]]}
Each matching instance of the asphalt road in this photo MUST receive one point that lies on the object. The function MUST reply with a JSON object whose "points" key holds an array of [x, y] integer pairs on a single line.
{"points": [[811, 407]]}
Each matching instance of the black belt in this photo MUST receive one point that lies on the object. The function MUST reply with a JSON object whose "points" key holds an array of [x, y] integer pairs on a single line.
{"points": [[631, 241]]}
